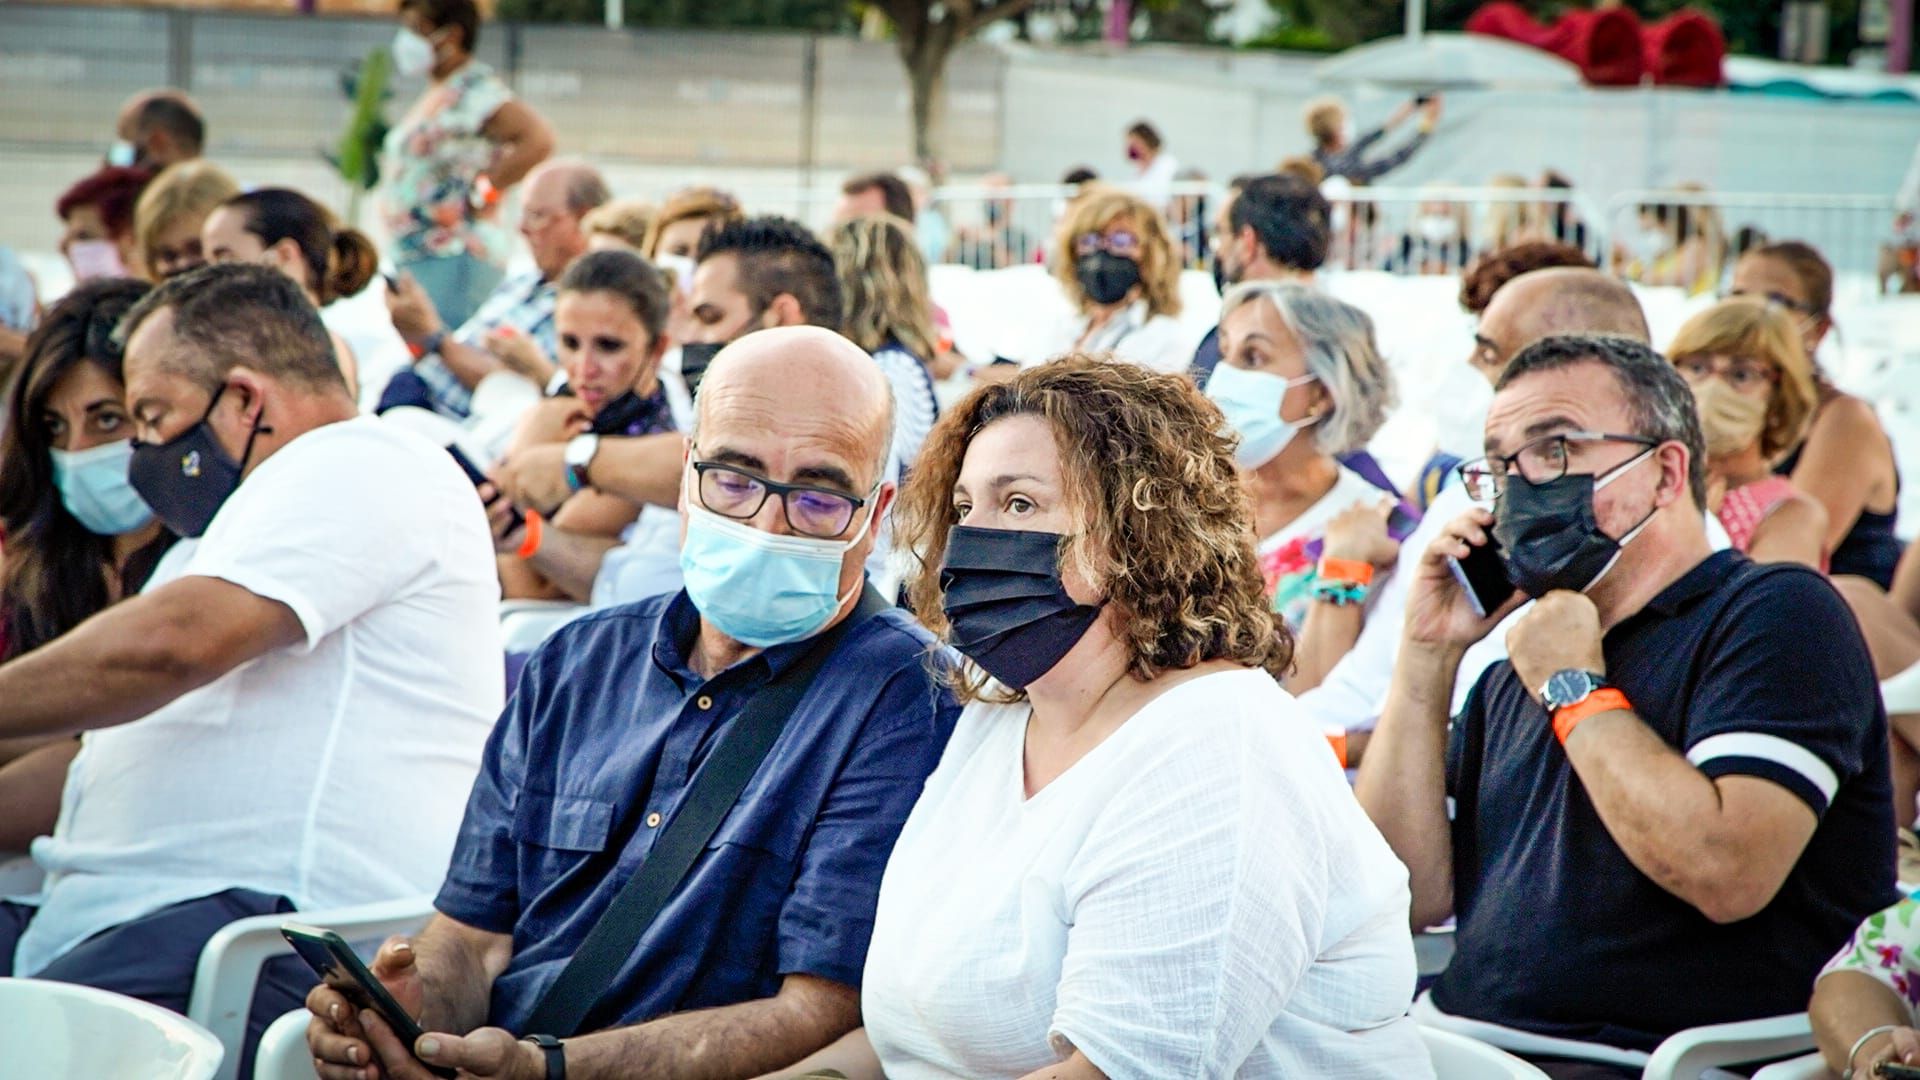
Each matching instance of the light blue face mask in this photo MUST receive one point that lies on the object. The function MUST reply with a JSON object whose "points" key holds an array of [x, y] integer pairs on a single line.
{"points": [[757, 588], [94, 489], [1251, 402], [122, 154]]}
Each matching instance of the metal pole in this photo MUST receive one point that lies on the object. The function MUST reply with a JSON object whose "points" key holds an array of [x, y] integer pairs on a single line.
{"points": [[1416, 19], [1899, 36], [616, 14]]}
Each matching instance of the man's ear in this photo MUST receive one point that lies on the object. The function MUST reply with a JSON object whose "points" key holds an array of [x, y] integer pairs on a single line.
{"points": [[784, 311], [247, 389], [1675, 482]]}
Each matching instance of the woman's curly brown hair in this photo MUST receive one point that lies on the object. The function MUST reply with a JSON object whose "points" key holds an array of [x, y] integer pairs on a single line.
{"points": [[1163, 524]]}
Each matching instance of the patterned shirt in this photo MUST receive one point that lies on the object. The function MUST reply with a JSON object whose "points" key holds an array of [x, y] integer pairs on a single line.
{"points": [[1886, 948], [428, 164], [525, 303]]}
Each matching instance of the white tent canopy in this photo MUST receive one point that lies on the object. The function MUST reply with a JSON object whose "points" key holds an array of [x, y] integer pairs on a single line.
{"points": [[1435, 61]]}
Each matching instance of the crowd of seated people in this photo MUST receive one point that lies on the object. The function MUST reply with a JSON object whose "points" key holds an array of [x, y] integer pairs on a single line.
{"points": [[830, 760]]}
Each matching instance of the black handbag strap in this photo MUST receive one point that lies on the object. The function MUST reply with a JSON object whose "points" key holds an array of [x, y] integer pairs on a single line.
{"points": [[570, 1001]]}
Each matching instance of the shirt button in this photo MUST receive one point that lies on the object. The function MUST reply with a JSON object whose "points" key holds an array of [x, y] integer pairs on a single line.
{"points": [[703, 701], [653, 820]]}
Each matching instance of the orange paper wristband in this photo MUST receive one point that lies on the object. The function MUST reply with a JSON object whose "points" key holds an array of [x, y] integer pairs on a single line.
{"points": [[536, 532], [1338, 740], [1602, 700], [1351, 571]]}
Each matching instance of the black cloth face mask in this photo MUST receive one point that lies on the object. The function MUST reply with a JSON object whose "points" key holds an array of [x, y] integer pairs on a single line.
{"points": [[1106, 277], [1006, 607], [1548, 536], [187, 479], [695, 358]]}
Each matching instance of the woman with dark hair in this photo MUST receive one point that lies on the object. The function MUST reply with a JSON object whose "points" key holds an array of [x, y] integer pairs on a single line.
{"points": [[1137, 855], [76, 536], [1845, 459], [446, 164], [299, 237], [609, 326]]}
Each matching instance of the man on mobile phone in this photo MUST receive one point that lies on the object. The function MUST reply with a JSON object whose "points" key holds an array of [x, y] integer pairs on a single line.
{"points": [[1670, 803], [320, 651], [754, 959]]}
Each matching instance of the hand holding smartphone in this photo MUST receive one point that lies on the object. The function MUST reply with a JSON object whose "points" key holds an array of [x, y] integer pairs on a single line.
{"points": [[1484, 576], [329, 955], [1893, 1070]]}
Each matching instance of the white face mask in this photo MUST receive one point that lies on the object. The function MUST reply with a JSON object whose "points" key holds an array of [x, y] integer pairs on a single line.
{"points": [[1251, 400], [412, 53]]}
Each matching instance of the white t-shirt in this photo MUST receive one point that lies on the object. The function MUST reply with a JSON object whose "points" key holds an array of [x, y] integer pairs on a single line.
{"points": [[1200, 895], [1159, 342], [335, 771]]}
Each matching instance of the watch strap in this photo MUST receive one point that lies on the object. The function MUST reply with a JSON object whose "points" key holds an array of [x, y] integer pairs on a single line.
{"points": [[1567, 717], [577, 470], [554, 1051]]}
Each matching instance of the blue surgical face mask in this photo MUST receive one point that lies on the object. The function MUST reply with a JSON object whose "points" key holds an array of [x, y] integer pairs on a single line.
{"points": [[94, 488], [757, 588], [1251, 402], [123, 154]]}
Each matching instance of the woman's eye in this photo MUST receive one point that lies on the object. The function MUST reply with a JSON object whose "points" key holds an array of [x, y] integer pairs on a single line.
{"points": [[109, 421], [569, 343], [1018, 505], [607, 344], [962, 509]]}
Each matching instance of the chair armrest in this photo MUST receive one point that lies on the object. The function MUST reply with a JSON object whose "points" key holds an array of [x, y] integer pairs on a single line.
{"points": [[230, 963], [282, 1054], [1685, 1054]]}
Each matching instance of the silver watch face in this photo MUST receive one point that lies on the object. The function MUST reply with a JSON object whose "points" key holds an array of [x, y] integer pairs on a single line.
{"points": [[1568, 687]]}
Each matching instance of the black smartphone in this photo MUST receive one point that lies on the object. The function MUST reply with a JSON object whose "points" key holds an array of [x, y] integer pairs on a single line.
{"points": [[329, 955], [1484, 576], [1893, 1070], [1401, 522], [474, 474]]}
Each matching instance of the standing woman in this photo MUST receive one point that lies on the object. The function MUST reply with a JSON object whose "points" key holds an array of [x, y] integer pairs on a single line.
{"points": [[1845, 460], [1136, 858], [1120, 271], [292, 233], [76, 536], [883, 278], [447, 163]]}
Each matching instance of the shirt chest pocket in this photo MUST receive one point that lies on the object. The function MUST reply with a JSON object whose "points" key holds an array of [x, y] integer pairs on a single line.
{"points": [[557, 832]]}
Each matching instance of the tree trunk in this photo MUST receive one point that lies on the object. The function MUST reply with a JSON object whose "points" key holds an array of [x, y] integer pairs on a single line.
{"points": [[927, 83]]}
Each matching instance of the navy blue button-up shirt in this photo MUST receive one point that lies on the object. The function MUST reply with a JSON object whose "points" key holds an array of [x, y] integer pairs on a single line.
{"points": [[596, 751]]}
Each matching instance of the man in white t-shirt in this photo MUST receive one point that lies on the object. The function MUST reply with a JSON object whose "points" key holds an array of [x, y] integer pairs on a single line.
{"points": [[291, 715], [1541, 303]]}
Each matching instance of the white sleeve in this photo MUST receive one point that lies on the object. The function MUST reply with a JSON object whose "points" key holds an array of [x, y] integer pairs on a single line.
{"points": [[331, 530], [1194, 912]]}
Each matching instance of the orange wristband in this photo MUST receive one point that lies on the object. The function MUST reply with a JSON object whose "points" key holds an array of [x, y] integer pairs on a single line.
{"points": [[1605, 699], [1351, 571], [1338, 740], [536, 532]]}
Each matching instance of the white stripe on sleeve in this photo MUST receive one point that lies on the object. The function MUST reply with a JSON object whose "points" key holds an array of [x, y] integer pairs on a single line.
{"points": [[1782, 752]]}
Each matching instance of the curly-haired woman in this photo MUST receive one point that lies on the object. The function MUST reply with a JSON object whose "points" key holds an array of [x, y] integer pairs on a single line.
{"points": [[1114, 258], [1137, 857]]}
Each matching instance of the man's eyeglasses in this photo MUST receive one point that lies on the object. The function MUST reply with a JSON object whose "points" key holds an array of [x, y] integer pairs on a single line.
{"points": [[818, 512], [1742, 373], [1541, 461], [1118, 242]]}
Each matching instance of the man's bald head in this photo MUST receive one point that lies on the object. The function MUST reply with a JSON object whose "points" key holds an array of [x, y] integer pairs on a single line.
{"points": [[577, 184], [804, 382], [1552, 302], [556, 195]]}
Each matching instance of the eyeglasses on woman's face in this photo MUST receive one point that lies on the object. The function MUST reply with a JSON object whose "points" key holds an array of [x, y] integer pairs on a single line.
{"points": [[1744, 373]]}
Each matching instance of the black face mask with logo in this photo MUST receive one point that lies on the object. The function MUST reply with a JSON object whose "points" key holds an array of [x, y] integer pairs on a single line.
{"points": [[1005, 603], [188, 478]]}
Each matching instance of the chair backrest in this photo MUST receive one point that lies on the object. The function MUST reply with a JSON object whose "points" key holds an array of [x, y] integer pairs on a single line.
{"points": [[55, 1029], [1456, 1057]]}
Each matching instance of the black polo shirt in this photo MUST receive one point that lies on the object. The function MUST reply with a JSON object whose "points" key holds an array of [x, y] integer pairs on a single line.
{"points": [[1746, 669]]}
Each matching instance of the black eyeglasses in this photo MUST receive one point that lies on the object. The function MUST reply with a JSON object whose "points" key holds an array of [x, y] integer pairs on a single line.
{"points": [[1541, 461], [818, 512]]}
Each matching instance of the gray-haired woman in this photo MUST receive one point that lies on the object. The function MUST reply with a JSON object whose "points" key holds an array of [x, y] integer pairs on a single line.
{"points": [[1302, 382]]}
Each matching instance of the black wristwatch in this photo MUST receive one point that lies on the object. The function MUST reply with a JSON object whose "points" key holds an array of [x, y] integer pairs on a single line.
{"points": [[556, 1054], [1570, 686]]}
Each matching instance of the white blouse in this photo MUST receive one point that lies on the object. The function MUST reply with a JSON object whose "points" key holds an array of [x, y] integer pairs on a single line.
{"points": [[1199, 896]]}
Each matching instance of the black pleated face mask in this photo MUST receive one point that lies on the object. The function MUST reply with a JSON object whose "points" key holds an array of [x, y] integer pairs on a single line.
{"points": [[1006, 607]]}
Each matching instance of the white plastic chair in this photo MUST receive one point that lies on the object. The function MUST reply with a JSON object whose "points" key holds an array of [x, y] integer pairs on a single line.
{"points": [[282, 1053], [1433, 949], [1684, 1055], [525, 624], [1456, 1057], [230, 963], [1901, 692], [19, 875], [58, 1029], [1810, 1067]]}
